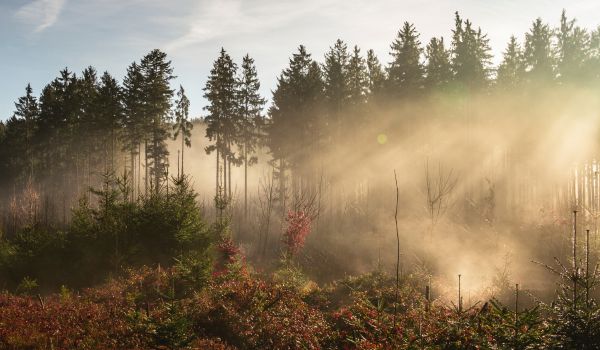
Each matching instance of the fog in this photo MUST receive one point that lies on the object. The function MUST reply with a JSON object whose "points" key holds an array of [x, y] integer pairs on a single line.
{"points": [[510, 169]]}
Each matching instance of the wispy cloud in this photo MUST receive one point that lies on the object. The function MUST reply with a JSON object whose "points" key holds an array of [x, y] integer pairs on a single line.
{"points": [[41, 14], [218, 18]]}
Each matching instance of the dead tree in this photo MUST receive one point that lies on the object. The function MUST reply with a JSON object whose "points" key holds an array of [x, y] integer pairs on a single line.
{"points": [[439, 188]]}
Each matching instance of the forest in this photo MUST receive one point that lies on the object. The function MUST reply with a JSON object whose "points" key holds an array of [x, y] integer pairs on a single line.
{"points": [[426, 200]]}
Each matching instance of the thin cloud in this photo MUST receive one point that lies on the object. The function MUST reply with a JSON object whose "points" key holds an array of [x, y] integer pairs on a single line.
{"points": [[41, 14], [220, 18]]}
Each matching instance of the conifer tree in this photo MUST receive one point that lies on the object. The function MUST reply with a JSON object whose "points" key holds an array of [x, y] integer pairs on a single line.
{"points": [[335, 76], [358, 89], [592, 65], [294, 133], [470, 55], [358, 85], [539, 59], [572, 50], [375, 75], [26, 109], [87, 126], [133, 121], [182, 124], [405, 72], [250, 105], [220, 91], [512, 68], [438, 71], [110, 115], [157, 73]]}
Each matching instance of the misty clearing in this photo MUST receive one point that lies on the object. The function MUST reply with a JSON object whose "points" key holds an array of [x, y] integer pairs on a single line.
{"points": [[428, 200]]}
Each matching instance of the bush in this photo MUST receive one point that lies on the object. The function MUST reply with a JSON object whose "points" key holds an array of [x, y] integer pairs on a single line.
{"points": [[102, 240]]}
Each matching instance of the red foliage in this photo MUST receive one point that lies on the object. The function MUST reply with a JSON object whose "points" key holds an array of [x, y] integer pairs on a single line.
{"points": [[298, 228], [241, 311], [72, 323], [256, 314], [229, 250]]}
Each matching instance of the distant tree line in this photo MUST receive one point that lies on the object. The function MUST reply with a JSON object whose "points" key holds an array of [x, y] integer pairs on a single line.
{"points": [[84, 125]]}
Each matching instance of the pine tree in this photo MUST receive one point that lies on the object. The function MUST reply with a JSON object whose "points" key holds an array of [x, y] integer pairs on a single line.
{"points": [[182, 124], [294, 131], [405, 73], [133, 122], [592, 64], [358, 85], [572, 50], [375, 76], [539, 60], [470, 55], [220, 91], [110, 115], [512, 68], [88, 133], [335, 76], [358, 90], [157, 73], [26, 109], [250, 105], [438, 69]]}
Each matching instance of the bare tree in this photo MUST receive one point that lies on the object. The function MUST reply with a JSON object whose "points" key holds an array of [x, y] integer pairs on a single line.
{"points": [[439, 187], [266, 199]]}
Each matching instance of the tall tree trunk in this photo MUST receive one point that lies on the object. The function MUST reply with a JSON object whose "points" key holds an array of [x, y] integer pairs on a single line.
{"points": [[146, 166], [217, 171], [139, 173], [282, 186], [245, 181], [112, 149], [229, 174], [157, 164], [225, 158], [132, 174], [182, 147]]}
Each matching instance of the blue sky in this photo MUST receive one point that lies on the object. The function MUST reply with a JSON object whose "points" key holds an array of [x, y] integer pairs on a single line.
{"points": [[40, 37]]}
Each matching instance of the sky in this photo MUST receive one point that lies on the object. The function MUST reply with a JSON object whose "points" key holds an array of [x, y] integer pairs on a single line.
{"points": [[38, 38]]}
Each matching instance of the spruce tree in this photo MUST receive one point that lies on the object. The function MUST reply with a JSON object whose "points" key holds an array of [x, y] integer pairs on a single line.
{"points": [[294, 129], [405, 72], [250, 105], [88, 133], [182, 124], [592, 64], [470, 55], [157, 72], [358, 90], [26, 109], [438, 71], [512, 69], [110, 115], [335, 76], [133, 121], [358, 84], [375, 76], [539, 59], [220, 91], [572, 50]]}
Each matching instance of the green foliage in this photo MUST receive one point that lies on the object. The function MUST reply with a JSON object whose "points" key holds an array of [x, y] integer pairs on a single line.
{"points": [[471, 58], [572, 324], [405, 73], [524, 330], [511, 71], [289, 275], [28, 286], [115, 234]]}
